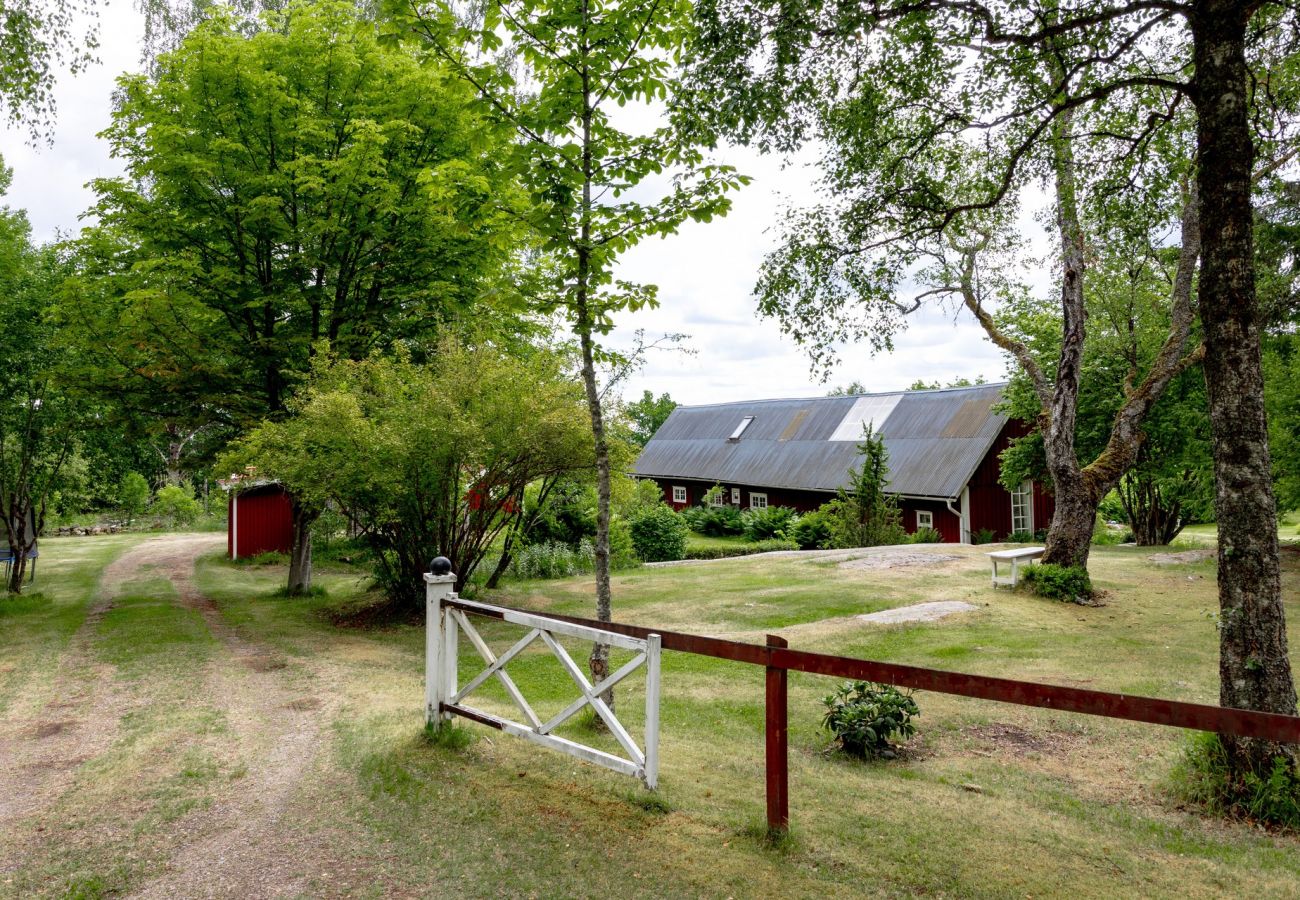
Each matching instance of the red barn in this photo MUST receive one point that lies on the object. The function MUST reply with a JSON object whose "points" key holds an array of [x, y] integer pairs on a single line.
{"points": [[260, 521], [943, 457]]}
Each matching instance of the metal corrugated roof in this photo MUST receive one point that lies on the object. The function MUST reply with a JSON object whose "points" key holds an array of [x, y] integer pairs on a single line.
{"points": [[935, 440]]}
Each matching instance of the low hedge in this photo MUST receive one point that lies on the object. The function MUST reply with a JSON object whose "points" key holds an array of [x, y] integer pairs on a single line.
{"points": [[745, 549]]}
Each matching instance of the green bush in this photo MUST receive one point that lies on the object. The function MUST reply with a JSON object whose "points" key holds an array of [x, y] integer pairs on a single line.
{"points": [[1070, 584], [863, 716], [267, 558], [1020, 537], [745, 549], [812, 531], [1203, 777], [927, 536], [552, 559], [769, 522], [622, 554], [715, 521], [132, 496], [177, 505], [984, 536], [658, 534]]}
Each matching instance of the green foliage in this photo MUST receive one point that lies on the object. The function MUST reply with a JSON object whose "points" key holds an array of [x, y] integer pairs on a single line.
{"points": [[768, 522], [425, 458], [1103, 535], [1204, 776], [746, 549], [37, 37], [176, 504], [552, 559], [926, 536], [863, 716], [370, 206], [658, 534], [1282, 397], [266, 558], [622, 552], [645, 416], [1069, 584], [988, 536], [132, 496], [714, 521], [1015, 537], [813, 531], [865, 516]]}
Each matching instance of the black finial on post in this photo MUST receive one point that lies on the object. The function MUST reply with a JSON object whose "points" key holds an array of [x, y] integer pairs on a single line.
{"points": [[440, 565]]}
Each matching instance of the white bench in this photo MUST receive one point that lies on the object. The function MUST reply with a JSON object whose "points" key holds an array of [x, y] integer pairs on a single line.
{"points": [[1015, 557]]}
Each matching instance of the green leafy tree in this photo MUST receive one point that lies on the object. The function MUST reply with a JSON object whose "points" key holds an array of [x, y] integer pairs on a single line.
{"points": [[1125, 76], [36, 36], [647, 415], [425, 456], [555, 72], [40, 419], [177, 505], [366, 206], [847, 390], [132, 496]]}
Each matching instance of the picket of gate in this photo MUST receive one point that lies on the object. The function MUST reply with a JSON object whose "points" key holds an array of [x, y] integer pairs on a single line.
{"points": [[448, 618]]}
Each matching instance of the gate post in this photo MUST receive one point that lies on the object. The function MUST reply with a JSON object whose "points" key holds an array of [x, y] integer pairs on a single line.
{"points": [[438, 685], [778, 773]]}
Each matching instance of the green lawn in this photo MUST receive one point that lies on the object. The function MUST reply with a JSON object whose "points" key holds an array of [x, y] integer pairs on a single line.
{"points": [[989, 800], [1288, 531]]}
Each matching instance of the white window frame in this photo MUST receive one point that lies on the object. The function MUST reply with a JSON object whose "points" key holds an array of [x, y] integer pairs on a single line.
{"points": [[924, 519], [1022, 508], [757, 501], [718, 499], [740, 429], [679, 493], [735, 496]]}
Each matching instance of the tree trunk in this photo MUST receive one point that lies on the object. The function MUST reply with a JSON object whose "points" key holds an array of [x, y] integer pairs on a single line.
{"points": [[20, 544], [300, 552], [1070, 537], [1254, 670]]}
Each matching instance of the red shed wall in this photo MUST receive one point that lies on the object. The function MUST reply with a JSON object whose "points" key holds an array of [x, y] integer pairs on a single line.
{"points": [[990, 502], [259, 523], [945, 522]]}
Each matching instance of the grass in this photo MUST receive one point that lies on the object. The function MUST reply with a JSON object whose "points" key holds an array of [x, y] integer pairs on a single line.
{"points": [[1288, 531], [991, 800]]}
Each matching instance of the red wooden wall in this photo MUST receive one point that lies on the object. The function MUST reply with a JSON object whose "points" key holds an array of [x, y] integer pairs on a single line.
{"points": [[260, 521]]}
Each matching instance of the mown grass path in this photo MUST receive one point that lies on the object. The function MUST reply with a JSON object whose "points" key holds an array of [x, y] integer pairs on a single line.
{"points": [[189, 741]]}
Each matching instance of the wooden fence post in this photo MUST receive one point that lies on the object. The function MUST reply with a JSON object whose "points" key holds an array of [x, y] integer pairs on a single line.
{"points": [[439, 671], [778, 773]]}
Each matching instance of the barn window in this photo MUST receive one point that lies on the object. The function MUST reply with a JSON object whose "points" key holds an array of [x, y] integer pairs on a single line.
{"points": [[924, 519], [1022, 507], [679, 494], [740, 429], [735, 496], [717, 498], [757, 501]]}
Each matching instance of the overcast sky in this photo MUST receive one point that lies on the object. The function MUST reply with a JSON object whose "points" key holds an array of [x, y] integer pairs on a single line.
{"points": [[705, 273]]}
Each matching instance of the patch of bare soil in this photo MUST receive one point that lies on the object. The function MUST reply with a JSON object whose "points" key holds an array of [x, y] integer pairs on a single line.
{"points": [[40, 752], [1002, 738], [1182, 557]]}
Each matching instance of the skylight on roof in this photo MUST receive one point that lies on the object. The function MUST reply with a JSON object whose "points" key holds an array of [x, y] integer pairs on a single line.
{"points": [[873, 409], [740, 429]]}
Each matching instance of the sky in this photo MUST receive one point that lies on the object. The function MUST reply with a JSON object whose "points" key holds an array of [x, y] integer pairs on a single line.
{"points": [[705, 273]]}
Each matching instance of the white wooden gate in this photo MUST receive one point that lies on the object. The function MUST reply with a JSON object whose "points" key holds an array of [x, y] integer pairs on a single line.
{"points": [[447, 620]]}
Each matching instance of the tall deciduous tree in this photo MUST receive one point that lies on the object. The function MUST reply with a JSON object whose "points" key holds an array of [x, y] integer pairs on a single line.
{"points": [[35, 37], [557, 79], [765, 63], [646, 415]]}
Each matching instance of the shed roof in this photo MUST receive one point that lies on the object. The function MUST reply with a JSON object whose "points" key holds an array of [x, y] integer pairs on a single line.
{"points": [[935, 439]]}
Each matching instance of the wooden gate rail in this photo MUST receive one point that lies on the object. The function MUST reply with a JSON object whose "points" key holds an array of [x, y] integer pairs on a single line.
{"points": [[777, 658]]}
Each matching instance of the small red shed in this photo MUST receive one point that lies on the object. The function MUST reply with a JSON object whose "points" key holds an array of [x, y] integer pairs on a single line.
{"points": [[260, 520]]}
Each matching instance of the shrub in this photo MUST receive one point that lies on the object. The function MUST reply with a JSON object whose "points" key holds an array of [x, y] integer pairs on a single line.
{"points": [[658, 534], [1020, 537], [1070, 584], [132, 496], [552, 559], [812, 531], [984, 536], [770, 522], [177, 505], [745, 549], [927, 536], [622, 554], [714, 520], [267, 558], [863, 716], [1203, 777]]}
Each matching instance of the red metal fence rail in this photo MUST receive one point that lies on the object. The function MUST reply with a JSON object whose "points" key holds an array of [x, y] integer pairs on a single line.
{"points": [[778, 659]]}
